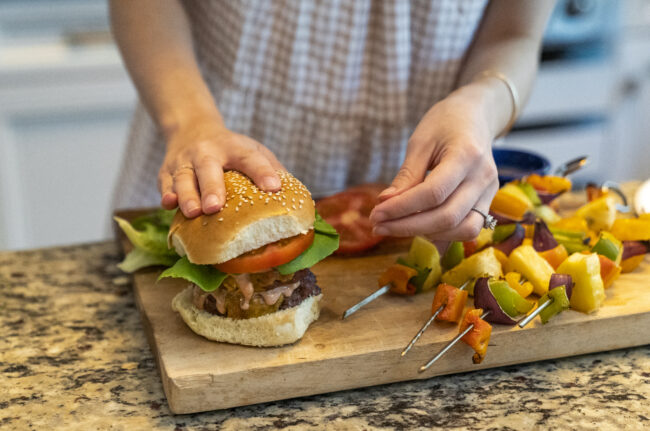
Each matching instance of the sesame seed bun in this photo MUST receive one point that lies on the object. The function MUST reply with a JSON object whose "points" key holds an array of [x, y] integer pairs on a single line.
{"points": [[249, 220]]}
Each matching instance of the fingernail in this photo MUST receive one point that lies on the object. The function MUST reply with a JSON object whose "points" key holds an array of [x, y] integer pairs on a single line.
{"points": [[388, 191], [211, 201], [380, 231], [270, 183], [191, 206]]}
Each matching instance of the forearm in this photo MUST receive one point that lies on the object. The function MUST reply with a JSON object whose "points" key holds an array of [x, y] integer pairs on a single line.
{"points": [[508, 42], [154, 38]]}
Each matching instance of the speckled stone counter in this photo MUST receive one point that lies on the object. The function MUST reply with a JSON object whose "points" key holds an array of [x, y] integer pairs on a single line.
{"points": [[73, 355]]}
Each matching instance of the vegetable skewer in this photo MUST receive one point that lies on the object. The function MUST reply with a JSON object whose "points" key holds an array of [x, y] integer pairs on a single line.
{"points": [[428, 323], [451, 344], [382, 290], [419, 271], [526, 320]]}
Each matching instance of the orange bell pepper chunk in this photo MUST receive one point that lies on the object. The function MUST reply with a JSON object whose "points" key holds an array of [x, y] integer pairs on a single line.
{"points": [[398, 277], [609, 270], [549, 183], [630, 264], [453, 300], [555, 256], [479, 336], [510, 202]]}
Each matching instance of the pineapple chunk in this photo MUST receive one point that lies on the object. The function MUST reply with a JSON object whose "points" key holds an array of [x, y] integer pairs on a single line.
{"points": [[588, 290], [526, 261], [482, 264], [599, 213]]}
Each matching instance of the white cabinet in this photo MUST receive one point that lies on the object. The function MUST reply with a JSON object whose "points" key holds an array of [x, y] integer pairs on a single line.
{"points": [[64, 115]]}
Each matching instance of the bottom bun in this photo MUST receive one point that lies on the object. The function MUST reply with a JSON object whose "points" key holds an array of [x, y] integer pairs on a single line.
{"points": [[275, 329]]}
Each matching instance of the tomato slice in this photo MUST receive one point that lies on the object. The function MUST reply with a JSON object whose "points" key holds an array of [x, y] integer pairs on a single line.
{"points": [[268, 256], [349, 213]]}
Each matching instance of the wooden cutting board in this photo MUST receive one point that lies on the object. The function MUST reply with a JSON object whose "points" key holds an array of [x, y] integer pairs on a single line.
{"points": [[364, 350]]}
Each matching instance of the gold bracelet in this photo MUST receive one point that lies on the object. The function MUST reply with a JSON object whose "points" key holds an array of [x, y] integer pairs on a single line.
{"points": [[514, 95]]}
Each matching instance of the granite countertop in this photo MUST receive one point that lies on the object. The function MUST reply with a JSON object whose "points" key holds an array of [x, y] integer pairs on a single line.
{"points": [[73, 355]]}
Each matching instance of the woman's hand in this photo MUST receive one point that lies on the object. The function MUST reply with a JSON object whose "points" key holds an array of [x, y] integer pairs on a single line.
{"points": [[453, 140], [191, 175]]}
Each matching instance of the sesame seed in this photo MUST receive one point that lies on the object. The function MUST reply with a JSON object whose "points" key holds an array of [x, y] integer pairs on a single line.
{"points": [[220, 219], [293, 206], [236, 208], [284, 204]]}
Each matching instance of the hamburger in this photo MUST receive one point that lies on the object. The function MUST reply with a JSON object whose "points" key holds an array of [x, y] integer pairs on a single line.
{"points": [[248, 264]]}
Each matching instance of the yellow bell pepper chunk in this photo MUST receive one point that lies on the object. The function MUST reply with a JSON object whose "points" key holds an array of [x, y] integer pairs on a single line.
{"points": [[514, 281], [632, 229], [588, 290], [526, 261]]}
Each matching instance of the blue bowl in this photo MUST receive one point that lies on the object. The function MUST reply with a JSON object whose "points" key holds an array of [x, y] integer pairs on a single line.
{"points": [[513, 164]]}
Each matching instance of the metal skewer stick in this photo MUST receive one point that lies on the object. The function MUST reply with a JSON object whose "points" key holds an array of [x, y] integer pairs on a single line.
{"points": [[451, 344], [431, 319], [526, 320], [377, 294]]}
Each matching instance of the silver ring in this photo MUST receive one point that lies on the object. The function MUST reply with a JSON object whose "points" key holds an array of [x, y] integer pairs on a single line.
{"points": [[489, 222]]}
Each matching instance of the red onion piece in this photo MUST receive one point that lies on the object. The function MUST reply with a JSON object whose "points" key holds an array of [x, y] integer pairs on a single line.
{"points": [[543, 239], [633, 248], [562, 280], [483, 298], [513, 241], [501, 219], [547, 197]]}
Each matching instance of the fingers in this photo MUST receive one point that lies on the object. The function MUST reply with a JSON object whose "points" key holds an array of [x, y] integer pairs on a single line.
{"points": [[411, 173], [258, 167], [210, 178], [186, 187], [452, 221], [430, 193], [272, 159], [192, 173], [169, 199]]}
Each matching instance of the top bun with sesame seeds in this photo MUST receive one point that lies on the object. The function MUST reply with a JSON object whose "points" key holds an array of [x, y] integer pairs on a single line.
{"points": [[250, 219]]}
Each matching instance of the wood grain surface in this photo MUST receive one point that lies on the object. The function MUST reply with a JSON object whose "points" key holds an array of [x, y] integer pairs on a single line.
{"points": [[364, 350]]}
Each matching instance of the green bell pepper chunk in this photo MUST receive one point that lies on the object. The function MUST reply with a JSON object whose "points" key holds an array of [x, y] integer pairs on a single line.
{"points": [[575, 234], [609, 246], [423, 254], [560, 303], [530, 193], [509, 299], [454, 254], [421, 277], [503, 231]]}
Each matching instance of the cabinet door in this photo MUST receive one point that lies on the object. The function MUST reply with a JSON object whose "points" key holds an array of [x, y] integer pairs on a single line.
{"points": [[57, 174]]}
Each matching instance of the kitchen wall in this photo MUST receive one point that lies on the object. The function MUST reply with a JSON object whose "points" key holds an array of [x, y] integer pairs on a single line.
{"points": [[65, 104]]}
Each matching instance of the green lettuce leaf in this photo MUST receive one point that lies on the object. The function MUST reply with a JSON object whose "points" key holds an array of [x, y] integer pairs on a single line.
{"points": [[326, 241], [320, 225], [152, 239], [161, 218], [207, 277], [139, 258]]}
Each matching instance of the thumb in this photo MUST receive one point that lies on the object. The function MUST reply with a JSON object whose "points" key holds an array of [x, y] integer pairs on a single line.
{"points": [[411, 173]]}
